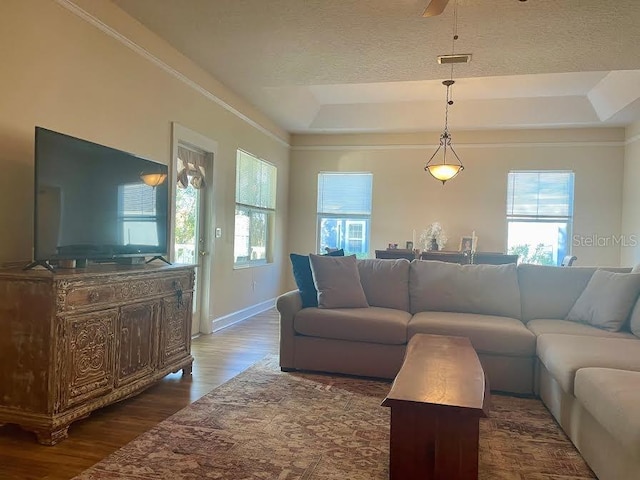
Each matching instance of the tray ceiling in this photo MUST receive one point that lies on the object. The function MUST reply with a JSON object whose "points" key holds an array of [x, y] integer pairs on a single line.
{"points": [[370, 66]]}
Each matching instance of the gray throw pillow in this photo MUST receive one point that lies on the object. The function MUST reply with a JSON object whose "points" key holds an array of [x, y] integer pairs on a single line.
{"points": [[337, 281], [607, 300]]}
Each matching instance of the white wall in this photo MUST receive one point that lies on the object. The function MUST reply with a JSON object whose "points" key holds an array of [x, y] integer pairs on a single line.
{"points": [[406, 198], [630, 254], [124, 89]]}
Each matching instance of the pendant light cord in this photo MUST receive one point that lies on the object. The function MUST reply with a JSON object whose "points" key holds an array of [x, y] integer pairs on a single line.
{"points": [[446, 112], [453, 52], [455, 34]]}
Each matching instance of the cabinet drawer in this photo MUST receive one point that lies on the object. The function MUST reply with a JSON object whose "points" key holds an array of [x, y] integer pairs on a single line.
{"points": [[103, 291]]}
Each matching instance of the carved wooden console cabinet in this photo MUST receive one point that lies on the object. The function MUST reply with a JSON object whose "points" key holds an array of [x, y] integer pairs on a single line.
{"points": [[77, 340]]}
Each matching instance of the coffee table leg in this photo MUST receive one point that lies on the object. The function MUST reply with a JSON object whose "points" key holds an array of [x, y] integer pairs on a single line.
{"points": [[457, 448], [432, 445], [412, 448]]}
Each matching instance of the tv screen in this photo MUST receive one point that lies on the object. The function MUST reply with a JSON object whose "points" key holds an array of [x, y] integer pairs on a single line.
{"points": [[91, 202]]}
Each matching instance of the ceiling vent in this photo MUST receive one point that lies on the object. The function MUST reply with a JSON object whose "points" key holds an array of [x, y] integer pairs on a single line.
{"points": [[460, 58]]}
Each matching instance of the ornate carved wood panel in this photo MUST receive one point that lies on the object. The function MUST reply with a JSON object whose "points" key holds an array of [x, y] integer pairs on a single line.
{"points": [[176, 331], [89, 355], [137, 341]]}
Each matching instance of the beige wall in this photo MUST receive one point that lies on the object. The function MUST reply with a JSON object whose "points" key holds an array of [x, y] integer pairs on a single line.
{"points": [[62, 72], [406, 198], [630, 254]]}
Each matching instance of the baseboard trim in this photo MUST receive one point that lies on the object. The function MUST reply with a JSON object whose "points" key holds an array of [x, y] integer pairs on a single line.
{"points": [[235, 317]]}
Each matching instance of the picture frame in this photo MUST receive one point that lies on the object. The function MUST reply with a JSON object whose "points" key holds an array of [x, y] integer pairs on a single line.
{"points": [[409, 245], [467, 244]]}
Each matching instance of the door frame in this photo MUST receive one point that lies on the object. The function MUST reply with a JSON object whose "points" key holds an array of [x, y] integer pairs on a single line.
{"points": [[186, 136]]}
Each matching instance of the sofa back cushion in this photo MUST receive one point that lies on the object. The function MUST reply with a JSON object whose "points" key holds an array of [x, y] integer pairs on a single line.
{"points": [[550, 292], [449, 287], [385, 282]]}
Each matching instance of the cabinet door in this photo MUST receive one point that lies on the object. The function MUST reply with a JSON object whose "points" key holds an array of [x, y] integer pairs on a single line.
{"points": [[87, 355], [137, 342], [175, 320]]}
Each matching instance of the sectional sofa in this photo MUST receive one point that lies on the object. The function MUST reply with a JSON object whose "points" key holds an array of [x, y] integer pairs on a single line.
{"points": [[567, 335]]}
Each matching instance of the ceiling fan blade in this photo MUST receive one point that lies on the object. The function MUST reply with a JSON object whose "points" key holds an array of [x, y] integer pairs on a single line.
{"points": [[436, 7]]}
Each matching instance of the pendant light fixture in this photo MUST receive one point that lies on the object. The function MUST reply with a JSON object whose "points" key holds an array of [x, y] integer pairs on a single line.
{"points": [[153, 179], [441, 168]]}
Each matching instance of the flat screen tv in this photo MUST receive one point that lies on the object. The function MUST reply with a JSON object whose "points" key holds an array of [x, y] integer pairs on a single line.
{"points": [[92, 204]]}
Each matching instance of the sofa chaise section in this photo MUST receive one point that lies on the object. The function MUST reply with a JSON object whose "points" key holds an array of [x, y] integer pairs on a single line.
{"points": [[612, 398]]}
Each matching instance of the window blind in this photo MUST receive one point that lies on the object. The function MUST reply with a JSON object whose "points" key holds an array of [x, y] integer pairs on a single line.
{"points": [[344, 193], [137, 199], [540, 194], [255, 182]]}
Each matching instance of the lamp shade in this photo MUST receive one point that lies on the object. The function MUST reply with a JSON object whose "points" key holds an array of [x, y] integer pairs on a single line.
{"points": [[444, 171], [153, 179]]}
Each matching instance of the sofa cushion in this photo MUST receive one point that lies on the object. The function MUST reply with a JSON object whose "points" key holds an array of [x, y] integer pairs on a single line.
{"points": [[304, 278], [550, 292], [385, 282], [612, 397], [373, 324], [337, 281], [545, 325], [564, 355], [449, 287], [607, 300], [488, 333]]}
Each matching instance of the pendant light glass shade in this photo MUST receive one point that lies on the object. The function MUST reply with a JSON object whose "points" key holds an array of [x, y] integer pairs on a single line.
{"points": [[444, 172], [153, 179]]}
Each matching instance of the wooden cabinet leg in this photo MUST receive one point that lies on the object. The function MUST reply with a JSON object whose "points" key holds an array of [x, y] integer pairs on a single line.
{"points": [[187, 369], [51, 437]]}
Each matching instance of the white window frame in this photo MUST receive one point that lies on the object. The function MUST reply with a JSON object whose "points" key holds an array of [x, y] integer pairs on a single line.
{"points": [[348, 218], [268, 208], [542, 216]]}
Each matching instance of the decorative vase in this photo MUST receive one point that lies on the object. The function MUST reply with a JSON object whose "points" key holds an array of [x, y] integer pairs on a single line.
{"points": [[434, 244]]}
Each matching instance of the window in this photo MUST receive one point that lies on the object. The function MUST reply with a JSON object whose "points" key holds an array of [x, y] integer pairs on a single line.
{"points": [[540, 215], [137, 214], [344, 212], [255, 210]]}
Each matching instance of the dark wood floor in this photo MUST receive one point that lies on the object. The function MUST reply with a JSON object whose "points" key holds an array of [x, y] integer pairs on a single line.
{"points": [[218, 357]]}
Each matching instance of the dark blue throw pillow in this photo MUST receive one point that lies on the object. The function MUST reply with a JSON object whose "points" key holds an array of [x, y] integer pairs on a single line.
{"points": [[304, 277]]}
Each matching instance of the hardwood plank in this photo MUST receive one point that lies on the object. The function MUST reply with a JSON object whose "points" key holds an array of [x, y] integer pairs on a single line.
{"points": [[218, 357]]}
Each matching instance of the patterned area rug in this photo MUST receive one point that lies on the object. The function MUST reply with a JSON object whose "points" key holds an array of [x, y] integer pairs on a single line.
{"points": [[268, 425]]}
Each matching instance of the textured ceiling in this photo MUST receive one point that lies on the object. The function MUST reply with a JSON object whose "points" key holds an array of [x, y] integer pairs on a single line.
{"points": [[355, 65]]}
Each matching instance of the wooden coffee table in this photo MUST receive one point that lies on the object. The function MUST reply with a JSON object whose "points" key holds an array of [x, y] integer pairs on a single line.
{"points": [[437, 400]]}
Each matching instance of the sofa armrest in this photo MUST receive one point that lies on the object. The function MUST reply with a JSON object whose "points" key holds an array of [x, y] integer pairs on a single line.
{"points": [[288, 304]]}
